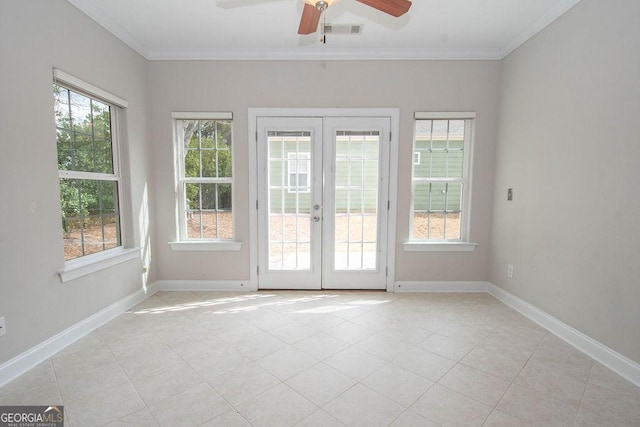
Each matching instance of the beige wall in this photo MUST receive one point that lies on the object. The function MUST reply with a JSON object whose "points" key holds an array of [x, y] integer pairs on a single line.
{"points": [[564, 140], [238, 85], [35, 36], [568, 146]]}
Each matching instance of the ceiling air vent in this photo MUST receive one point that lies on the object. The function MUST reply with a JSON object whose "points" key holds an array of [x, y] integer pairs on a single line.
{"points": [[342, 29]]}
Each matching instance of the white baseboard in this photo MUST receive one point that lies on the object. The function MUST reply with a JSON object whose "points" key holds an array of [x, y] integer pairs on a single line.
{"points": [[205, 285], [246, 285], [618, 363], [443, 286], [41, 352]]}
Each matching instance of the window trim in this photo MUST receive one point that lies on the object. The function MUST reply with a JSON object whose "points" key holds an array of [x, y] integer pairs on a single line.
{"points": [[182, 243], [448, 245], [439, 246], [89, 89], [88, 264]]}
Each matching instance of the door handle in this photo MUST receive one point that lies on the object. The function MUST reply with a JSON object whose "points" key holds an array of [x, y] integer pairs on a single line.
{"points": [[316, 218]]}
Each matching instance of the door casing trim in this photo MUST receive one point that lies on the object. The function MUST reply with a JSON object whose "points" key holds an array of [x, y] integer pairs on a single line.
{"points": [[392, 113]]}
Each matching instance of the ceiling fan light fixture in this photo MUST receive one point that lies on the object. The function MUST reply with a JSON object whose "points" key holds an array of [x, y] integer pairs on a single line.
{"points": [[322, 5], [311, 14], [314, 10]]}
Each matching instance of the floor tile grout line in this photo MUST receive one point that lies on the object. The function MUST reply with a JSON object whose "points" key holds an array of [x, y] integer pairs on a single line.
{"points": [[55, 377], [502, 412], [444, 374], [469, 311], [96, 392], [584, 391], [203, 381], [199, 375], [459, 362], [133, 387], [513, 382], [281, 382]]}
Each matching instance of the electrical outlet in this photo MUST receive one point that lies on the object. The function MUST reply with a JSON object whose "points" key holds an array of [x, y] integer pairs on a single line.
{"points": [[3, 326], [510, 271]]}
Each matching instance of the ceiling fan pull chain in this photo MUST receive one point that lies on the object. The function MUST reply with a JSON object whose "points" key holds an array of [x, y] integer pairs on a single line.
{"points": [[323, 35]]}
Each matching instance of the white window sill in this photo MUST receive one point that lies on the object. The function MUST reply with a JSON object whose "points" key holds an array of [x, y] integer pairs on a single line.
{"points": [[198, 245], [89, 264], [439, 246]]}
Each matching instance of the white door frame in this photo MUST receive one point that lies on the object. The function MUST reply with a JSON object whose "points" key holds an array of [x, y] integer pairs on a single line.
{"points": [[254, 113], [348, 278], [305, 278]]}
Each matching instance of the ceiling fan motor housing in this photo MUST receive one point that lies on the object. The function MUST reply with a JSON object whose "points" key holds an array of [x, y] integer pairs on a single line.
{"points": [[322, 5], [312, 12]]}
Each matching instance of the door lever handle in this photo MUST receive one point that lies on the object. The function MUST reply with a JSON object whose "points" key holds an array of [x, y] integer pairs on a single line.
{"points": [[316, 218]]}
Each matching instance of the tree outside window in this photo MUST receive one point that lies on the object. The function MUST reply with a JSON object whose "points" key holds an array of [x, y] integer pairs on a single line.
{"points": [[206, 179], [87, 169]]}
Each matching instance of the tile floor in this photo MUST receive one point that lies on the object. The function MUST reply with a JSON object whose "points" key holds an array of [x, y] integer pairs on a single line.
{"points": [[326, 359]]}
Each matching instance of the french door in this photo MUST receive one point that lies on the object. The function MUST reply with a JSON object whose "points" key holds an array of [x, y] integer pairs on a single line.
{"points": [[322, 202]]}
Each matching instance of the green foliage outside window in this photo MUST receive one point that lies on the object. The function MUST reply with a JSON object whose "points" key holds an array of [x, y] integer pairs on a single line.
{"points": [[90, 214], [207, 155]]}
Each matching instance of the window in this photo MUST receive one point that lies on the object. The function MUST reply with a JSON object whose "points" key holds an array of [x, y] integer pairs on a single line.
{"points": [[205, 175], [299, 165], [440, 181], [88, 173]]}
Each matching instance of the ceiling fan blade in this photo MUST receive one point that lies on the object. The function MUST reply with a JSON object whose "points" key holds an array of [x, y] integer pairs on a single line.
{"points": [[309, 20], [392, 7]]}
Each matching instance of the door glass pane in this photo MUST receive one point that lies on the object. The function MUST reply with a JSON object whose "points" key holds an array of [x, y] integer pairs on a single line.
{"points": [[289, 183], [356, 200]]}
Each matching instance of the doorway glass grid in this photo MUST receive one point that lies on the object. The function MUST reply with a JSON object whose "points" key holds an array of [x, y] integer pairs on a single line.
{"points": [[289, 200], [356, 200]]}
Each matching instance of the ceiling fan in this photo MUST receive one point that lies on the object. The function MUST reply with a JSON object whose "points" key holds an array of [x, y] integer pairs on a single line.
{"points": [[313, 11]]}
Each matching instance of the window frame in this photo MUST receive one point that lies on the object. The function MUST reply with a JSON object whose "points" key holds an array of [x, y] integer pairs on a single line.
{"points": [[88, 264], [463, 243], [182, 242]]}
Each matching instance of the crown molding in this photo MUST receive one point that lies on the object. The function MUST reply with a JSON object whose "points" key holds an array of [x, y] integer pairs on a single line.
{"points": [[111, 26], [320, 52], [323, 53], [538, 25]]}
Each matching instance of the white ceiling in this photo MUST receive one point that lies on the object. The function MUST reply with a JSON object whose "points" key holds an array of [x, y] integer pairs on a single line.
{"points": [[267, 29]]}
